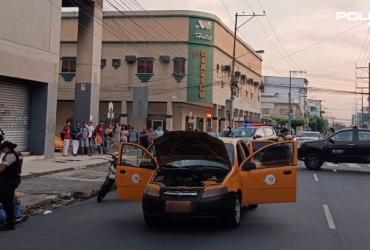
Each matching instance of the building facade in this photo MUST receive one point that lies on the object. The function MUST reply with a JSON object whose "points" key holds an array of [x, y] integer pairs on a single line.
{"points": [[181, 58], [275, 97], [314, 108], [29, 61]]}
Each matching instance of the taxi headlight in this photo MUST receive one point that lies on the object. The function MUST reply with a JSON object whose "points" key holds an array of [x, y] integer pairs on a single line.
{"points": [[150, 191], [214, 192]]}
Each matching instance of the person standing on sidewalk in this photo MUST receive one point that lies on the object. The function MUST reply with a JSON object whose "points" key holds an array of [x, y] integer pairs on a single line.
{"points": [[144, 138], [10, 178], [133, 135], [85, 146], [91, 137], [99, 137], [76, 137], [66, 135]]}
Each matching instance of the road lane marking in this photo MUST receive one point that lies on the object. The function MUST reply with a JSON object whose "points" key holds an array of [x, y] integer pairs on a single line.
{"points": [[315, 177], [329, 218], [353, 165], [330, 164]]}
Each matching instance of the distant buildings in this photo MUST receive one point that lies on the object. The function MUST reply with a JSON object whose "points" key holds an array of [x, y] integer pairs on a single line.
{"points": [[183, 57], [314, 108], [275, 97]]}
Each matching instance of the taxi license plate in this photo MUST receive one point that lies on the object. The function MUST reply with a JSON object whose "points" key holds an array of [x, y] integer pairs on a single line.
{"points": [[178, 206]]}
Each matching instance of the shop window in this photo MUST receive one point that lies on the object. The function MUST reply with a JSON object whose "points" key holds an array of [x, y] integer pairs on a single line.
{"points": [[69, 65], [145, 67]]}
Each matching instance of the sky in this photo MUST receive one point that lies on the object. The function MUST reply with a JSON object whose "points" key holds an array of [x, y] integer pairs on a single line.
{"points": [[327, 48]]}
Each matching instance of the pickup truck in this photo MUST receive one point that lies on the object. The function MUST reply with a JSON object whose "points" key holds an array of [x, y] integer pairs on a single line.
{"points": [[344, 146]]}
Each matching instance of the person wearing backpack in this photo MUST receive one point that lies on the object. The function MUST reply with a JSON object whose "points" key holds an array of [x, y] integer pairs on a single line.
{"points": [[10, 178]]}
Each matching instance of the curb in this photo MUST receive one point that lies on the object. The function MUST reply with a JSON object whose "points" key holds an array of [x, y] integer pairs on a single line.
{"points": [[34, 175]]}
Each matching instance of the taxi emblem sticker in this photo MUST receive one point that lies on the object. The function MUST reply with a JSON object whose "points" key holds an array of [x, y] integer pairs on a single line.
{"points": [[270, 179], [135, 178]]}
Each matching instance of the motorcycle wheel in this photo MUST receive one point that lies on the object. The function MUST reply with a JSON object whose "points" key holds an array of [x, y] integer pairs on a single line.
{"points": [[105, 188]]}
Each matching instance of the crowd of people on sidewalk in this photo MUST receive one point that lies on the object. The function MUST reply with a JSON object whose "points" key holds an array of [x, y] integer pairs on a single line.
{"points": [[87, 139]]}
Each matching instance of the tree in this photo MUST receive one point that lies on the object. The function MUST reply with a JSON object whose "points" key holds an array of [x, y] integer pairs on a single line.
{"points": [[318, 124]]}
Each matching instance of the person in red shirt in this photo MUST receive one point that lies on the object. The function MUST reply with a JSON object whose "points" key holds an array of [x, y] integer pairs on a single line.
{"points": [[67, 137], [100, 132]]}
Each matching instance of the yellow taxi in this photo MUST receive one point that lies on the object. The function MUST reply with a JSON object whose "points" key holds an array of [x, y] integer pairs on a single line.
{"points": [[58, 144], [192, 174]]}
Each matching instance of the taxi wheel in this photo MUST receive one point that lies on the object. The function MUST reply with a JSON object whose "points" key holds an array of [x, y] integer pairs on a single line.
{"points": [[235, 213], [313, 162]]}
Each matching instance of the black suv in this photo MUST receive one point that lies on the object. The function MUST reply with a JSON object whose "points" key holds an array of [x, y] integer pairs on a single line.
{"points": [[347, 145]]}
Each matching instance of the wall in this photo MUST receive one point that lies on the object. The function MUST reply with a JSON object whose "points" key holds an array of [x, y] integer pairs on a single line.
{"points": [[29, 39]]}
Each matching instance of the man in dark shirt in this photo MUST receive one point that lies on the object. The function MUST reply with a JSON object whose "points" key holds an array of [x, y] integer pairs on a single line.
{"points": [[10, 170]]}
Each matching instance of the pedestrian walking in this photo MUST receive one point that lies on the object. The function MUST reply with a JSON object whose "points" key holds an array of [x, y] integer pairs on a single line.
{"points": [[10, 178], [76, 137], [85, 145], [133, 135], [66, 135]]}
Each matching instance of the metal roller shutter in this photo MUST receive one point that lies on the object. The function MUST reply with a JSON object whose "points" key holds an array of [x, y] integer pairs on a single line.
{"points": [[15, 106]]}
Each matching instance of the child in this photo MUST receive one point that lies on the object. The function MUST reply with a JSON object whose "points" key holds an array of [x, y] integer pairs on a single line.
{"points": [[17, 209]]}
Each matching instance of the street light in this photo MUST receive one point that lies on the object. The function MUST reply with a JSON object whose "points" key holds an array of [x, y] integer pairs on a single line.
{"points": [[249, 52]]}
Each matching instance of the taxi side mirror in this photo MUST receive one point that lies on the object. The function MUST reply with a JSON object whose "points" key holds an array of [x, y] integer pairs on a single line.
{"points": [[249, 166]]}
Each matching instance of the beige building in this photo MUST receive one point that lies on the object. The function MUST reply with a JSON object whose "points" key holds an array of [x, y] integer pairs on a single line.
{"points": [[182, 58], [29, 61]]}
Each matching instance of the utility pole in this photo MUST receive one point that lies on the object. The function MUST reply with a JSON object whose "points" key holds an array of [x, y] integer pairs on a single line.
{"points": [[234, 81], [362, 92], [290, 96]]}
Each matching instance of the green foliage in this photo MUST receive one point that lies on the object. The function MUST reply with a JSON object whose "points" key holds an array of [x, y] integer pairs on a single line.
{"points": [[318, 124]]}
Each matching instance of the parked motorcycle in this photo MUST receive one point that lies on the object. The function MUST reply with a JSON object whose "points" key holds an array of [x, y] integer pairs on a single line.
{"points": [[110, 179]]}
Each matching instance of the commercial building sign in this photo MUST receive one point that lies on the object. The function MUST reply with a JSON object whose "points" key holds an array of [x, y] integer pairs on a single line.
{"points": [[201, 30], [203, 74], [200, 63]]}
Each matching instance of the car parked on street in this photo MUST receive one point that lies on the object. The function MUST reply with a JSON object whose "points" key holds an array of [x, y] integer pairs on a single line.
{"points": [[193, 174], [343, 146], [251, 133]]}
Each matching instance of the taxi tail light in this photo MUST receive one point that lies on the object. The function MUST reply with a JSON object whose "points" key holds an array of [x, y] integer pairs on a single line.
{"points": [[214, 192], [150, 191]]}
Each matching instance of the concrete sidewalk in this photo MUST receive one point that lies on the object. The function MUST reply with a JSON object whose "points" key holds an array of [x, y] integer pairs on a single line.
{"points": [[34, 166]]}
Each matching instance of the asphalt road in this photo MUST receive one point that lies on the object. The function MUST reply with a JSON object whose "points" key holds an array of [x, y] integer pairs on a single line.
{"points": [[332, 212]]}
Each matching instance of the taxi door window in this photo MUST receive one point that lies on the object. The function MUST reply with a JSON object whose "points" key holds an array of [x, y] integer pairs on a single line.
{"points": [[245, 149], [280, 155], [241, 156], [133, 156]]}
